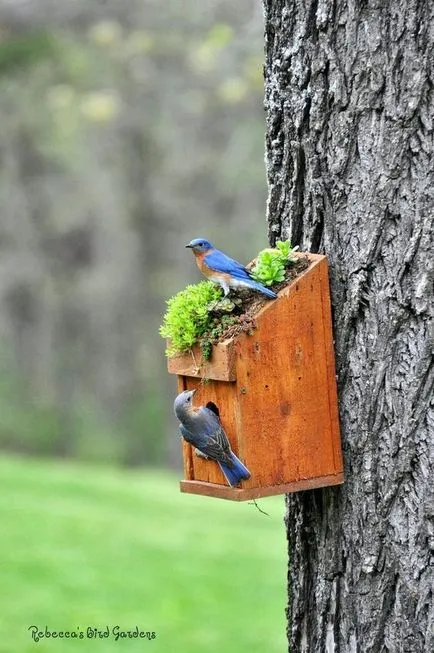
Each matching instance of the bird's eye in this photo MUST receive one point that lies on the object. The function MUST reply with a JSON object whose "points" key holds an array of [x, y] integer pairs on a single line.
{"points": [[200, 244], [188, 398]]}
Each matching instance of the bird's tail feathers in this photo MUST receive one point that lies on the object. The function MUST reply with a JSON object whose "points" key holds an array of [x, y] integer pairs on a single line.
{"points": [[266, 291], [237, 473]]}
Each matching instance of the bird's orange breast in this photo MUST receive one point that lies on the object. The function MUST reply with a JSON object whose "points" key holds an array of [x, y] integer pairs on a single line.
{"points": [[200, 262], [214, 275]]}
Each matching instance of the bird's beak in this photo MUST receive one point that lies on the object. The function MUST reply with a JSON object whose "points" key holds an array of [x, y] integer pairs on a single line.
{"points": [[190, 394], [189, 245]]}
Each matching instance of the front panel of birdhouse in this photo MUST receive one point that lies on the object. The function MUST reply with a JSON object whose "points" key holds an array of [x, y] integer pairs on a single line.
{"points": [[276, 393]]}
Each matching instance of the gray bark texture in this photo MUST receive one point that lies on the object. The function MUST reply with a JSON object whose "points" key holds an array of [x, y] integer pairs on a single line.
{"points": [[350, 106]]}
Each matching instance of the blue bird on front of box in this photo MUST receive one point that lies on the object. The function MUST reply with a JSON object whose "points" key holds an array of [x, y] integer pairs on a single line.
{"points": [[201, 427], [221, 269]]}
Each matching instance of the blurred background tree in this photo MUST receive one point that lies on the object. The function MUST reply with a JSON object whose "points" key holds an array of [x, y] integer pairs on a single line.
{"points": [[126, 129]]}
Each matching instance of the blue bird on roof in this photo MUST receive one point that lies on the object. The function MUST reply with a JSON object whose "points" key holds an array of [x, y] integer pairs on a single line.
{"points": [[201, 427], [223, 270]]}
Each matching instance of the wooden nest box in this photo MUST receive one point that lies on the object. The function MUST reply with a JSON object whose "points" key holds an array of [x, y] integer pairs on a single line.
{"points": [[276, 393]]}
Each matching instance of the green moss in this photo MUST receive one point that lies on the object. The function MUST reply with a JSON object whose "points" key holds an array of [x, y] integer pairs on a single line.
{"points": [[216, 327], [271, 263], [187, 317]]}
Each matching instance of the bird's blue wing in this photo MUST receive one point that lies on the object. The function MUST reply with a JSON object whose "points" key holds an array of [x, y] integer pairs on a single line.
{"points": [[222, 263], [209, 420], [209, 438], [192, 438], [214, 429]]}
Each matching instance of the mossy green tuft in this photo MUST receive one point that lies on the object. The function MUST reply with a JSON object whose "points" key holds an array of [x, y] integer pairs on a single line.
{"points": [[215, 329], [188, 317]]}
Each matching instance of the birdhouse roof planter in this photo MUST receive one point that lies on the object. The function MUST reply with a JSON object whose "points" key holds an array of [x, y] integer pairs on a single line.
{"points": [[276, 393], [221, 366]]}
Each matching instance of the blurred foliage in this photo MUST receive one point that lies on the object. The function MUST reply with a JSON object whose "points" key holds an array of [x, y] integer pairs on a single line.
{"points": [[125, 131], [27, 426], [30, 427], [19, 52]]}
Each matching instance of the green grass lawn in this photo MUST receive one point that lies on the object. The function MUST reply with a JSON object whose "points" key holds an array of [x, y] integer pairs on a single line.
{"points": [[89, 546]]}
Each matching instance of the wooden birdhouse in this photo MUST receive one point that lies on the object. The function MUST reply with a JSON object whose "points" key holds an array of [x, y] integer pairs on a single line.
{"points": [[276, 393]]}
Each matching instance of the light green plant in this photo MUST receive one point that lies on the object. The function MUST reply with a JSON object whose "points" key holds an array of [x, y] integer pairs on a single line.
{"points": [[187, 317], [271, 263], [285, 249]]}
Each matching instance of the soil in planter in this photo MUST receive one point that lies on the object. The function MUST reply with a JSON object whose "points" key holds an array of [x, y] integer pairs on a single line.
{"points": [[246, 304]]}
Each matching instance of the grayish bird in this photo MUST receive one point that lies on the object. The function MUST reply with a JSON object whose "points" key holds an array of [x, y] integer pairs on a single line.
{"points": [[201, 427]]}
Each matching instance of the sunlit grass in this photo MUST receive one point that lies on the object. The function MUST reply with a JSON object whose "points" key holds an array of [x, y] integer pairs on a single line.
{"points": [[89, 546]]}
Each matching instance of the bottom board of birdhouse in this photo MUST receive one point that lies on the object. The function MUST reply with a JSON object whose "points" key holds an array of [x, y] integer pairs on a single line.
{"points": [[246, 494]]}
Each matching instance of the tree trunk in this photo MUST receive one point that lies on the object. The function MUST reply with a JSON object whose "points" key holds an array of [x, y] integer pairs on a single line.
{"points": [[349, 99]]}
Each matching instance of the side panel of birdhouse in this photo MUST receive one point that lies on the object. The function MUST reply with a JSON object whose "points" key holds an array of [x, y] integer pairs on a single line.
{"points": [[286, 387]]}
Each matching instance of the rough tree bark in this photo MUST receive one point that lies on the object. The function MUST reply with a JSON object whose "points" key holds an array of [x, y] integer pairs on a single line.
{"points": [[349, 100]]}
